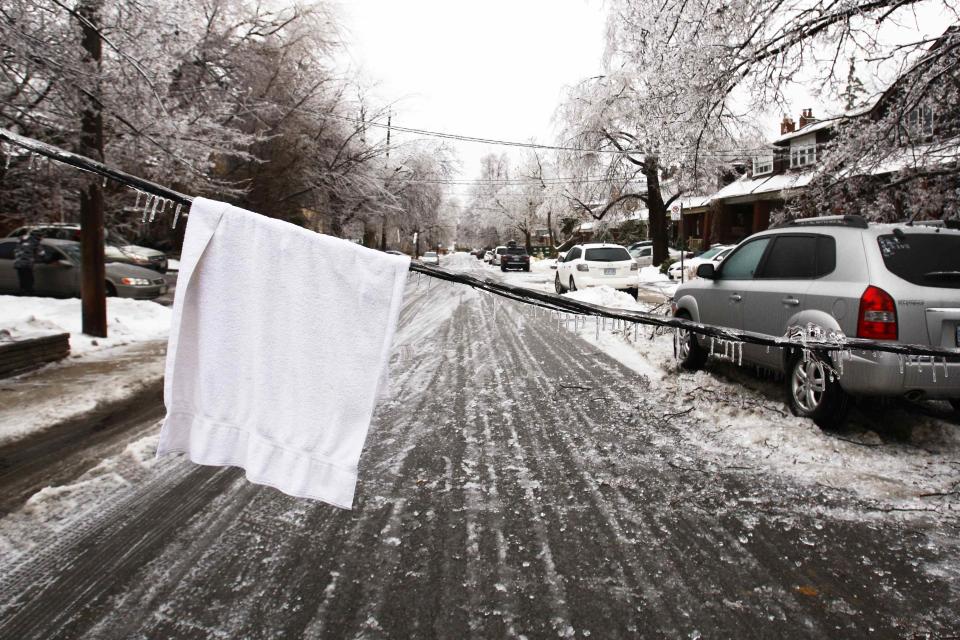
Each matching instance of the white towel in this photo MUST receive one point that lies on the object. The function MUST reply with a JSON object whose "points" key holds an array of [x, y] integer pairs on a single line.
{"points": [[278, 342]]}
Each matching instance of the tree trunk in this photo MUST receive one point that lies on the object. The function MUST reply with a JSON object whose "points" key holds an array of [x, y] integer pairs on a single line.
{"points": [[383, 233], [658, 212], [553, 239], [93, 275], [526, 237]]}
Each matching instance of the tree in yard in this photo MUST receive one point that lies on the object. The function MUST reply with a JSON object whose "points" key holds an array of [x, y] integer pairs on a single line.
{"points": [[510, 198], [724, 60], [644, 118]]}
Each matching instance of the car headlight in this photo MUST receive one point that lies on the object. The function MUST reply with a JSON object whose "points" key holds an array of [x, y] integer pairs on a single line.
{"points": [[138, 259], [135, 282]]}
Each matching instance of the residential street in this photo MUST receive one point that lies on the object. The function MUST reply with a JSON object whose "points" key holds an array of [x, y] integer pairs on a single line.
{"points": [[517, 482]]}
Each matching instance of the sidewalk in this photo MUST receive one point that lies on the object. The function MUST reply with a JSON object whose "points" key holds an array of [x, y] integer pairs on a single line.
{"points": [[90, 385]]}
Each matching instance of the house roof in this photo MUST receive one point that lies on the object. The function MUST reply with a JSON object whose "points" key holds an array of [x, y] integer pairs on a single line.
{"points": [[767, 184], [932, 154]]}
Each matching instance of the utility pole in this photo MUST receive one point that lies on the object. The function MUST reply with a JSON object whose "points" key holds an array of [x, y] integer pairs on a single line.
{"points": [[383, 217], [92, 276]]}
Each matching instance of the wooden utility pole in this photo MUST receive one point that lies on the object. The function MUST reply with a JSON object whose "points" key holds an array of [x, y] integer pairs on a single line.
{"points": [[93, 277], [383, 217]]}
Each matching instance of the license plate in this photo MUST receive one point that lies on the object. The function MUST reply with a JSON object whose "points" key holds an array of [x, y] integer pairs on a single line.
{"points": [[609, 272]]}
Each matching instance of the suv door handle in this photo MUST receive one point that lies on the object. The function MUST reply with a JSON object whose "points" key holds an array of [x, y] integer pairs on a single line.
{"points": [[790, 301], [736, 297]]}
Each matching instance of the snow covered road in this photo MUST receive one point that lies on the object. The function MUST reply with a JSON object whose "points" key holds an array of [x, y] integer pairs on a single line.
{"points": [[517, 482]]}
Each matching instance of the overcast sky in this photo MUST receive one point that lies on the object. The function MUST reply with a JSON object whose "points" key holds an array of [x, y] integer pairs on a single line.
{"points": [[497, 68], [492, 69]]}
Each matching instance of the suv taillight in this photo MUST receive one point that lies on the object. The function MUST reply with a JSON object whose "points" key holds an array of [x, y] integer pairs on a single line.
{"points": [[877, 319]]}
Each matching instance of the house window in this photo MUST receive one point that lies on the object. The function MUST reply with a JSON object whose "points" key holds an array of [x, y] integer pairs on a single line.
{"points": [[801, 156], [763, 165], [920, 121]]}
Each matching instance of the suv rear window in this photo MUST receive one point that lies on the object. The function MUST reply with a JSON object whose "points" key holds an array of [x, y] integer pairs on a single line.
{"points": [[516, 251], [607, 254], [926, 259]]}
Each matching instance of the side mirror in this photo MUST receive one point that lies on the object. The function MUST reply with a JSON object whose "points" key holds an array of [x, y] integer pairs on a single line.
{"points": [[707, 271]]}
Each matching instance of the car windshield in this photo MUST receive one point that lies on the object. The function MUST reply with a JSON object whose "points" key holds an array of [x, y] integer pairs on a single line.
{"points": [[606, 254], [430, 254], [709, 253], [926, 259], [516, 251]]}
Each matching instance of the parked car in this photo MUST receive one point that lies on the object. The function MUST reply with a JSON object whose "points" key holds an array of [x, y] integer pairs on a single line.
{"points": [[58, 273], [515, 258], [589, 265], [637, 245], [394, 252], [642, 255], [116, 247], [497, 253], [478, 253], [714, 254], [893, 282], [488, 256], [430, 257]]}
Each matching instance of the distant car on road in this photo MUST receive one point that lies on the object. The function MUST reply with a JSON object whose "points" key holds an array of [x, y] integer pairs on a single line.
{"points": [[714, 254], [590, 265], [430, 257], [116, 248], [58, 274], [840, 275], [515, 258], [497, 253]]}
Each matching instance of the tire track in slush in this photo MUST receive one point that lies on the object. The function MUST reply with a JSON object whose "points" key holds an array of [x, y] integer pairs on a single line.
{"points": [[487, 506]]}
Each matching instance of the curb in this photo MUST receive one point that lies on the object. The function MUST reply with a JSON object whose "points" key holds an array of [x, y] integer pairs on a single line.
{"points": [[31, 463]]}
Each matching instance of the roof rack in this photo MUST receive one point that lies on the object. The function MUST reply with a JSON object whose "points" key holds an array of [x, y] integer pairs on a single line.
{"points": [[858, 222]]}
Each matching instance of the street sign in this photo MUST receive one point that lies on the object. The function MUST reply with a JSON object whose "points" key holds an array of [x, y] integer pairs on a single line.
{"points": [[675, 213]]}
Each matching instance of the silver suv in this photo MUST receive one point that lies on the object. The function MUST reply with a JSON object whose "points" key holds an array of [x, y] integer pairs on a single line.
{"points": [[838, 274]]}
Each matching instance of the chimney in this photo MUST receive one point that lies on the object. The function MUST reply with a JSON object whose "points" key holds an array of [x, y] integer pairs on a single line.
{"points": [[787, 126], [806, 117]]}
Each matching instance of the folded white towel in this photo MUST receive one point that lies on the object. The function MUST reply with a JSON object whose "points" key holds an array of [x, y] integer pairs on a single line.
{"points": [[278, 342]]}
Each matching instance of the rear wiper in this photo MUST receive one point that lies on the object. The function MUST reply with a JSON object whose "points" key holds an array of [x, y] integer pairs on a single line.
{"points": [[942, 275]]}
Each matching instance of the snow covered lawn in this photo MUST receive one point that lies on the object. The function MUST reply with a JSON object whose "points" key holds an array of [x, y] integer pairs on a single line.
{"points": [[128, 321], [99, 372]]}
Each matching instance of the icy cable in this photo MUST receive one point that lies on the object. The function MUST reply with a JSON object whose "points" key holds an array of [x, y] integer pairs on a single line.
{"points": [[810, 343]]}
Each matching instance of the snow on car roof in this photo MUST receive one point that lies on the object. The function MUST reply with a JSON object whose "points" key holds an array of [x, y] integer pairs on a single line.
{"points": [[598, 245]]}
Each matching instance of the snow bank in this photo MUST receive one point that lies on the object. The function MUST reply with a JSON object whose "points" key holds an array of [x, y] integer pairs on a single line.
{"points": [[606, 297], [128, 321]]}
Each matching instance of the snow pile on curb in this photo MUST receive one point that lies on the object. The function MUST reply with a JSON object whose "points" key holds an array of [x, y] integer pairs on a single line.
{"points": [[605, 297], [128, 320], [890, 457]]}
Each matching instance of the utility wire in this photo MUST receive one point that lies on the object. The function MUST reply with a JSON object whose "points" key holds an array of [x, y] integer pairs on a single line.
{"points": [[718, 153], [553, 302]]}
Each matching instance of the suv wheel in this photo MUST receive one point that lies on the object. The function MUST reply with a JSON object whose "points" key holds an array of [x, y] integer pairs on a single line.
{"points": [[692, 356], [558, 286], [813, 393]]}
